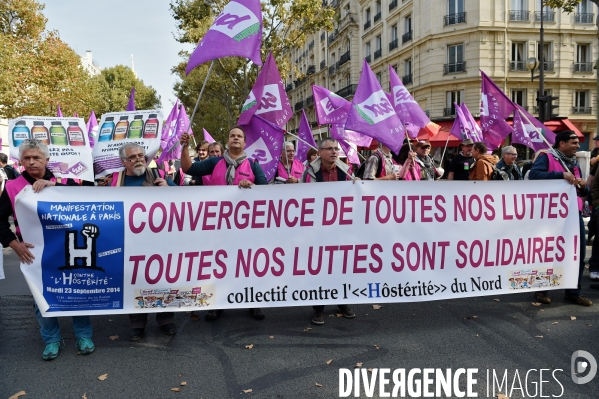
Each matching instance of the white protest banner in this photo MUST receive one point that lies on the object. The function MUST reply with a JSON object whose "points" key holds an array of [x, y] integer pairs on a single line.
{"points": [[147, 249], [66, 138], [118, 128]]}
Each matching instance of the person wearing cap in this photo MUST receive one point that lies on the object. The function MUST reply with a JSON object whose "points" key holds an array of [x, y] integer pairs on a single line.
{"points": [[418, 164], [484, 164], [459, 168], [509, 155], [381, 166], [551, 166]]}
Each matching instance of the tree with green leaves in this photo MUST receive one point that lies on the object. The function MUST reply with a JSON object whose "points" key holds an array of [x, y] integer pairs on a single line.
{"points": [[232, 78], [566, 5], [114, 86]]}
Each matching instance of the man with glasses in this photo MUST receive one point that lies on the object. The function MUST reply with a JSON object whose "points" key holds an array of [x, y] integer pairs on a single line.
{"points": [[328, 168], [428, 171], [509, 155], [289, 170]]}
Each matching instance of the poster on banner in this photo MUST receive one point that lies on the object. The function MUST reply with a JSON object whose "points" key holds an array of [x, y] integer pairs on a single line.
{"points": [[295, 245], [67, 141], [118, 128]]}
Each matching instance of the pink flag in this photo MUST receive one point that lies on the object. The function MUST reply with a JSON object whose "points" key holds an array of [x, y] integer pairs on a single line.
{"points": [[263, 143], [475, 131], [172, 150], [268, 97], [92, 128], [207, 136], [59, 112], [305, 133], [528, 130], [131, 103], [404, 104], [338, 132], [236, 32], [372, 114], [495, 108], [168, 128], [350, 152], [330, 108]]}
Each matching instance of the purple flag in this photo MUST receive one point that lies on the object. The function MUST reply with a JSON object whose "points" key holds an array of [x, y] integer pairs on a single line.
{"points": [[268, 97], [59, 112], [172, 150], [236, 32], [207, 136], [528, 130], [460, 124], [263, 143], [350, 152], [339, 133], [330, 108], [495, 108], [168, 128], [475, 132], [131, 103], [305, 133], [404, 104], [92, 128], [372, 114]]}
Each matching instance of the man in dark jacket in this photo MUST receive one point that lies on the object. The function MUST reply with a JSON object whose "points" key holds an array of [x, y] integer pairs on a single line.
{"points": [[509, 155]]}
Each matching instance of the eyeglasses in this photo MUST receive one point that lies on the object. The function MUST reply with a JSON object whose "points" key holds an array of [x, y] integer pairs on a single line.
{"points": [[135, 158], [336, 149], [512, 154]]}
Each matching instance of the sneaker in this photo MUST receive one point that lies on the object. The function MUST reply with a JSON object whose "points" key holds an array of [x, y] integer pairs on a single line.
{"points": [[594, 275], [213, 314], [85, 346], [543, 298], [318, 317], [347, 312], [169, 329], [135, 334], [51, 350], [578, 299], [257, 313]]}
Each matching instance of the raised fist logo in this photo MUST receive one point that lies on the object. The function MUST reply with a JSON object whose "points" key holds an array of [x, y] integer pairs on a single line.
{"points": [[90, 231]]}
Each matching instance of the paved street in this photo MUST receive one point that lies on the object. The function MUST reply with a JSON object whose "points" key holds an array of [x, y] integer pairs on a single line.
{"points": [[289, 355]]}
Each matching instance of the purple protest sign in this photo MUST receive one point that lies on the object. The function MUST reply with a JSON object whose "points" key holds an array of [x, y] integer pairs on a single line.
{"points": [[305, 133], [268, 97], [404, 104], [528, 130], [172, 150], [330, 108], [92, 128], [495, 108], [475, 132], [372, 114], [338, 132], [168, 128], [263, 143], [207, 136], [131, 103], [236, 32]]}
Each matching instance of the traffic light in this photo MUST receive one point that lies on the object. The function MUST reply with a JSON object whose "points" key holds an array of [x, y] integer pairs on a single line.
{"points": [[551, 107], [542, 107]]}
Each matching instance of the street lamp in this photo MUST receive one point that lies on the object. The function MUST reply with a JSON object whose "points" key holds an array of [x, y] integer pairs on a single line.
{"points": [[532, 64]]}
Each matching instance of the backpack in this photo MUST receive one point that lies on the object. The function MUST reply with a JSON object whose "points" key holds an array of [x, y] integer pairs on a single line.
{"points": [[499, 174], [362, 169]]}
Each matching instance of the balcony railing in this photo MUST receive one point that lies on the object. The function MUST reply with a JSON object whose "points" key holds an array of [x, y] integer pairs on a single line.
{"points": [[367, 58], [582, 110], [332, 69], [323, 65], [519, 15], [366, 24], [311, 70], [377, 17], [449, 111], [393, 44], [309, 101], [518, 66], [347, 91], [378, 53], [406, 79], [344, 58], [549, 66], [583, 67], [454, 68], [392, 5], [332, 37], [406, 37], [288, 87], [299, 105], [548, 16], [452, 19], [535, 109], [583, 18], [300, 82]]}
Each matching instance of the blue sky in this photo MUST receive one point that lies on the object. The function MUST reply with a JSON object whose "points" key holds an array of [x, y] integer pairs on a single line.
{"points": [[113, 30]]}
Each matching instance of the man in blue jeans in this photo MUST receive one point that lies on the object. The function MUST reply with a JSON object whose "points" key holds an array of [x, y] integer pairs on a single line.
{"points": [[549, 166], [34, 157]]}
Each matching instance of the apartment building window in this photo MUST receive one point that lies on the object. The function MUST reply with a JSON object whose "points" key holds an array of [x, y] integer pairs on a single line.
{"points": [[455, 59], [451, 97], [455, 12], [379, 77], [584, 13], [518, 57], [519, 11], [519, 97], [367, 18], [348, 80], [583, 58], [394, 42], [407, 36], [548, 64], [367, 51], [548, 13], [378, 52], [407, 68], [377, 16], [582, 102]]}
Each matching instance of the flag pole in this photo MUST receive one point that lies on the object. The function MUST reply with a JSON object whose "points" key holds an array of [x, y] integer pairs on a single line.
{"points": [[198, 102], [445, 149]]}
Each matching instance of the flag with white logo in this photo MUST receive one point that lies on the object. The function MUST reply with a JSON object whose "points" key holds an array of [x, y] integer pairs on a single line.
{"points": [[338, 132], [263, 143], [528, 130], [330, 108], [495, 108], [404, 104]]}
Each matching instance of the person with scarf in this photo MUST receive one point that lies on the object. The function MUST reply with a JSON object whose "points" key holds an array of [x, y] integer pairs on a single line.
{"points": [[552, 165], [289, 169], [233, 168], [509, 155], [419, 165]]}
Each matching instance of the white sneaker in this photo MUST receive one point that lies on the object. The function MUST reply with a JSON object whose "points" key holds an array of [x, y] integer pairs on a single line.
{"points": [[594, 276]]}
